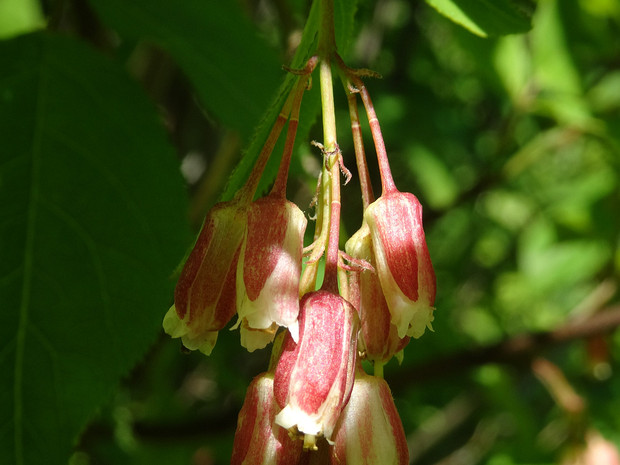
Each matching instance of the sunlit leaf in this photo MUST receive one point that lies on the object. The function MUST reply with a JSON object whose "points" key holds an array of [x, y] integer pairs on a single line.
{"points": [[485, 17], [438, 185], [556, 76], [551, 264], [513, 64], [19, 17]]}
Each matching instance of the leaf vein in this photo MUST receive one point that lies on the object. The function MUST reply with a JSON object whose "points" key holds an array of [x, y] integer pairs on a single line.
{"points": [[96, 260], [24, 309]]}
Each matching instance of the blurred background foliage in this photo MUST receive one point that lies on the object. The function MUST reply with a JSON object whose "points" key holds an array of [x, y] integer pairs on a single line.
{"points": [[512, 145]]}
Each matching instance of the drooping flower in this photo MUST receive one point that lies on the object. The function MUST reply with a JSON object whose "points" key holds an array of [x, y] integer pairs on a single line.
{"points": [[402, 261], [258, 440], [269, 269], [379, 339], [369, 430], [204, 297], [314, 377]]}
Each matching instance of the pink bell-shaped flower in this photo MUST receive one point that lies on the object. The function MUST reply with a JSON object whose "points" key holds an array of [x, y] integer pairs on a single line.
{"points": [[379, 340], [204, 297], [258, 440], [314, 377], [269, 270], [402, 261], [369, 431]]}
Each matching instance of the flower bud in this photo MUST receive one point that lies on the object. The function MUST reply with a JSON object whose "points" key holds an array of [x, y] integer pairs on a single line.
{"points": [[379, 340], [369, 431], [204, 297], [402, 261], [258, 440], [269, 268], [314, 377]]}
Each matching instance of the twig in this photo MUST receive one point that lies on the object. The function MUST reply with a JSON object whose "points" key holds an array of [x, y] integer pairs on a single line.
{"points": [[517, 351]]}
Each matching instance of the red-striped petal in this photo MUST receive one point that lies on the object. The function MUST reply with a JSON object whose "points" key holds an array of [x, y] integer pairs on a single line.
{"points": [[314, 378]]}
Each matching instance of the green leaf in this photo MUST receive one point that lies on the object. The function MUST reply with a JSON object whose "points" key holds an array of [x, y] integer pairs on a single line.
{"points": [[438, 184], [485, 17], [19, 16], [91, 227], [556, 76], [549, 263], [344, 23], [513, 64], [233, 70]]}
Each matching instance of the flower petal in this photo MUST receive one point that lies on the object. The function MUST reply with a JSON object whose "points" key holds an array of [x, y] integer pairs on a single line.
{"points": [[258, 440], [204, 297], [369, 431], [270, 264], [315, 377], [402, 261]]}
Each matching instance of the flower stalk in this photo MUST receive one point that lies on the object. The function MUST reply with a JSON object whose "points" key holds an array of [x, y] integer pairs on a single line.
{"points": [[358, 145], [279, 186], [331, 153]]}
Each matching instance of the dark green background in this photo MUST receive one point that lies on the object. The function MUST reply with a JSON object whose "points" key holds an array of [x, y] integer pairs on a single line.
{"points": [[511, 142]]}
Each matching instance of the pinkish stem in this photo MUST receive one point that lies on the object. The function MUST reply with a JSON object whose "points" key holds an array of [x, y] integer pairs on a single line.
{"points": [[246, 194], [360, 154], [387, 182], [279, 186]]}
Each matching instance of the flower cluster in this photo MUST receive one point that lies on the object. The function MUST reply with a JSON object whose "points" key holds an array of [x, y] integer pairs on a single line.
{"points": [[315, 404], [246, 261]]}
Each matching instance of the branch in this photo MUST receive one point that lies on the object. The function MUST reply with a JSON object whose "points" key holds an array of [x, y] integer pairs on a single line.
{"points": [[188, 430], [516, 351]]}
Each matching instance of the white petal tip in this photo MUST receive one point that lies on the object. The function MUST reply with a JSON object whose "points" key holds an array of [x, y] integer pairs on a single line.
{"points": [[285, 418], [290, 417], [294, 330]]}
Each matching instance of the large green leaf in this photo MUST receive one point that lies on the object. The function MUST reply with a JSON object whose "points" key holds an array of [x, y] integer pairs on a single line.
{"points": [[233, 70], [485, 17], [91, 227]]}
